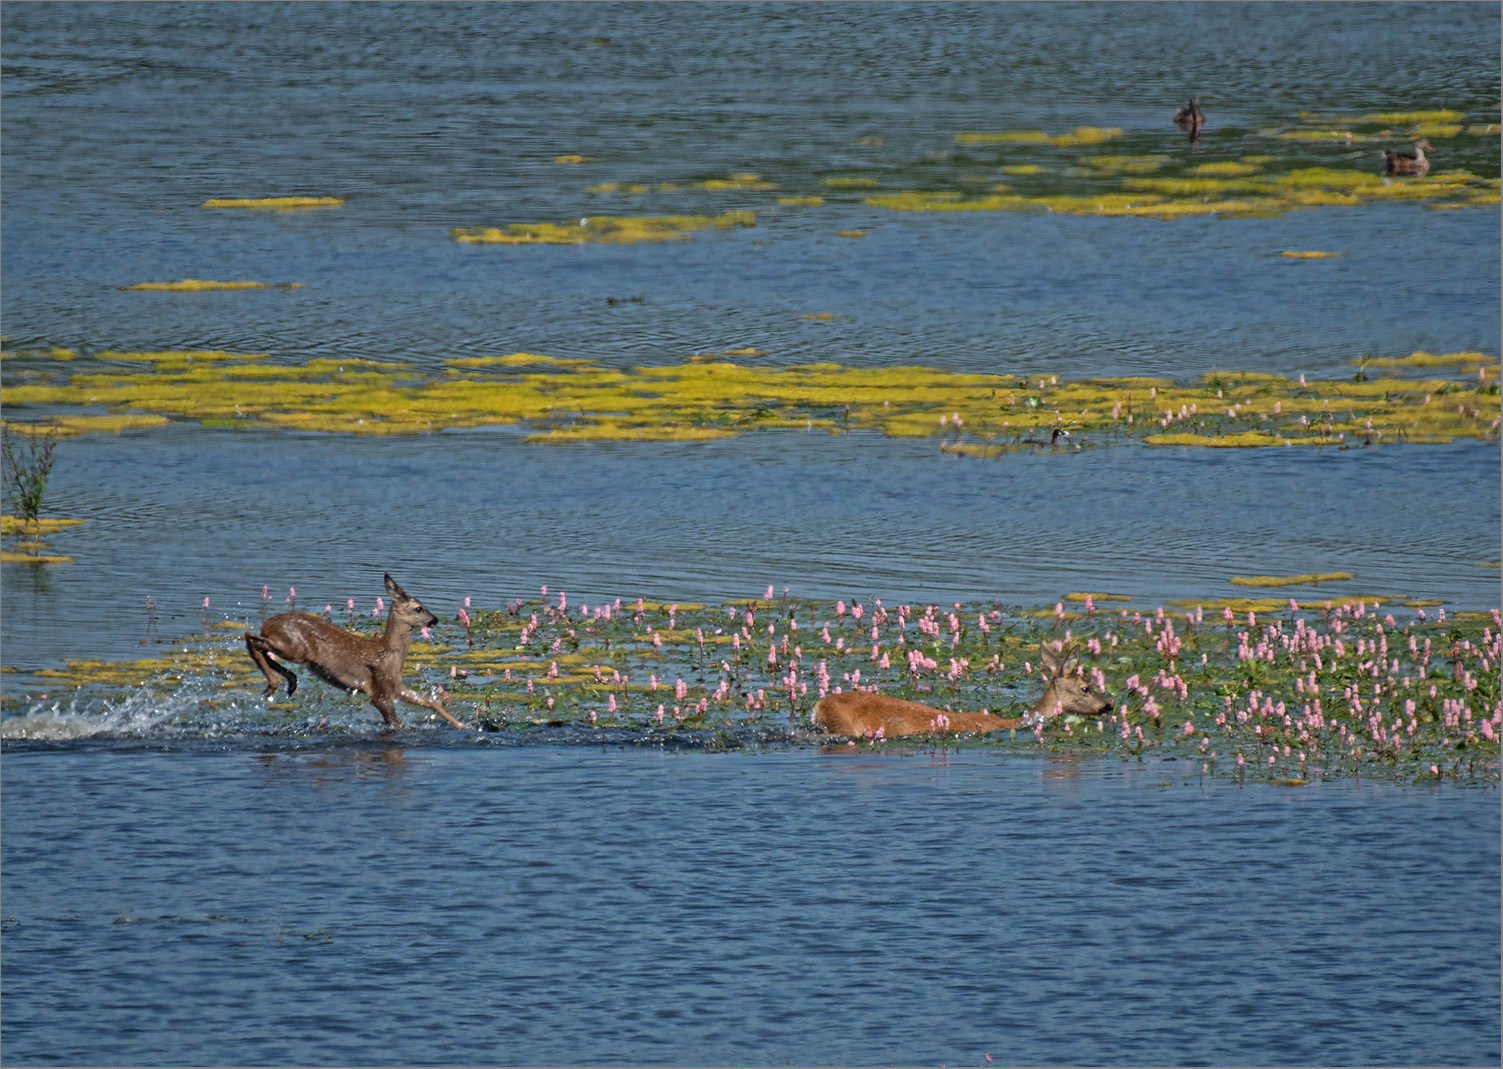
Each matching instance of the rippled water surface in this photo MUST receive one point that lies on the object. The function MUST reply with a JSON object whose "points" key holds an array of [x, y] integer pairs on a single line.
{"points": [[582, 905], [121, 120], [176, 895]]}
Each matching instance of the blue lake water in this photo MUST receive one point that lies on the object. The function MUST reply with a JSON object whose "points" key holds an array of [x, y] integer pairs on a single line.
{"points": [[425, 901], [586, 905]]}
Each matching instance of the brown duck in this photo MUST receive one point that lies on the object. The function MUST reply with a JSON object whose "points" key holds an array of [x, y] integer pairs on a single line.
{"points": [[1190, 115], [1396, 162]]}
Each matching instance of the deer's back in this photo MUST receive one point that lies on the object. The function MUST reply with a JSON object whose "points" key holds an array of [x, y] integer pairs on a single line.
{"points": [[860, 712], [299, 636]]}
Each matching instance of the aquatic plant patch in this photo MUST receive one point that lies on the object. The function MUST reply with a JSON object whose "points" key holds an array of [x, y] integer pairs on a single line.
{"points": [[561, 400], [14, 526], [273, 203], [1068, 172], [1081, 135], [1290, 580], [1171, 197], [200, 285], [1286, 690], [17, 556], [602, 230]]}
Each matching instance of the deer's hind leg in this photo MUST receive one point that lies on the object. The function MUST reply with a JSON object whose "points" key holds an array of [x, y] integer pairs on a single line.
{"points": [[260, 651]]}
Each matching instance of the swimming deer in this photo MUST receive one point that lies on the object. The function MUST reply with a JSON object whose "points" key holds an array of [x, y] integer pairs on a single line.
{"points": [[344, 659], [1396, 162], [862, 712]]}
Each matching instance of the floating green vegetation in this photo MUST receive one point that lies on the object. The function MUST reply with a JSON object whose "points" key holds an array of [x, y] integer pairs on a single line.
{"points": [[1244, 188], [67, 426], [1422, 359], [1389, 126], [603, 230], [1225, 169], [1125, 164], [10, 556], [274, 203], [1238, 440], [1308, 255], [1022, 169], [804, 202], [13, 526], [741, 180], [1193, 186], [179, 356], [1081, 135], [571, 157], [1268, 689], [519, 360], [199, 285], [707, 396], [1407, 118], [850, 233], [1290, 580], [48, 352], [852, 183]]}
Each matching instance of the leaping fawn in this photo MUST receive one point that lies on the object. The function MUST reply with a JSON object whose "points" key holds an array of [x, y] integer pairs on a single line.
{"points": [[351, 662], [861, 712]]}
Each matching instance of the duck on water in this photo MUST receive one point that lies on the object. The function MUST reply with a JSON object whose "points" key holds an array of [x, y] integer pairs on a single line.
{"points": [[1396, 162]]}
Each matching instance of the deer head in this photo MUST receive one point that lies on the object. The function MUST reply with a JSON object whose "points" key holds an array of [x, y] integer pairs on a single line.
{"points": [[407, 609], [1067, 693]]}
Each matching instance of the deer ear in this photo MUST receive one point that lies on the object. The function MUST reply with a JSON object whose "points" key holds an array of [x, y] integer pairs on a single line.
{"points": [[392, 588], [1050, 659]]}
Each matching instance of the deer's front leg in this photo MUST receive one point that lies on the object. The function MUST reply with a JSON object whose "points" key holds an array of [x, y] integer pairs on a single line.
{"points": [[407, 694], [386, 705]]}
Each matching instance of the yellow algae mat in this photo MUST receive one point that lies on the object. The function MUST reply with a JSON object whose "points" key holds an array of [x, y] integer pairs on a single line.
{"points": [[562, 400]]}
